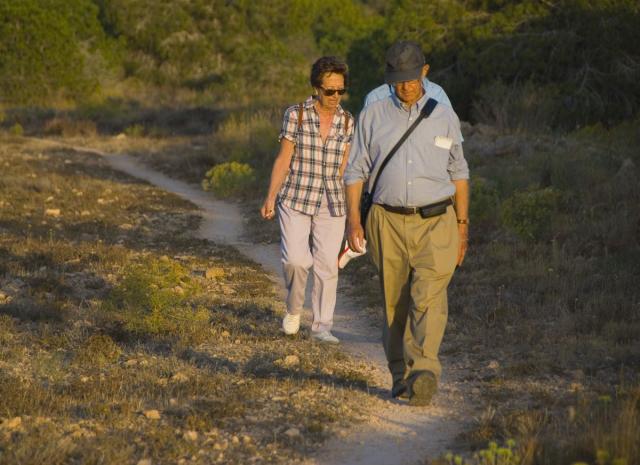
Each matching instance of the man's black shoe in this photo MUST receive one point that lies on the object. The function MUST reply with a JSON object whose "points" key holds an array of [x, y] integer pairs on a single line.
{"points": [[400, 389], [423, 387]]}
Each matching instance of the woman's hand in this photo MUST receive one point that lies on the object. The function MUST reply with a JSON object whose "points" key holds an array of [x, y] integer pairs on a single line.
{"points": [[268, 209]]}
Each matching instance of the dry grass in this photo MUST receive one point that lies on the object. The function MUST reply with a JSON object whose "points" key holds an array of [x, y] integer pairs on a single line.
{"points": [[115, 346]]}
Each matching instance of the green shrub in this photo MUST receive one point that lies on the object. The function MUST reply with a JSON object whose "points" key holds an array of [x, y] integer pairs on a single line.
{"points": [[154, 299], [67, 127], [49, 49], [227, 179], [16, 130], [135, 130], [484, 201], [529, 213], [492, 455], [99, 350]]}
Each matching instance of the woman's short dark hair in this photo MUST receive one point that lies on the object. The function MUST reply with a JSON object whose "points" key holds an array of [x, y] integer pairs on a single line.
{"points": [[327, 65]]}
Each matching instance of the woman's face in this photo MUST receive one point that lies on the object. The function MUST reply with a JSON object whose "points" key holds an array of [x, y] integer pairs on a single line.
{"points": [[330, 82]]}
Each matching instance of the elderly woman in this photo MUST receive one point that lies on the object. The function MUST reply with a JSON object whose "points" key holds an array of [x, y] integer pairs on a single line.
{"points": [[307, 190]]}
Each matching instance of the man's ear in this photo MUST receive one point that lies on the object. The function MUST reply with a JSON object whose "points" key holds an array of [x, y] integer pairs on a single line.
{"points": [[425, 71]]}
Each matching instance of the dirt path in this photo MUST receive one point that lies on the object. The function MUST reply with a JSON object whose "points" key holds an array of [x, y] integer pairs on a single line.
{"points": [[394, 433]]}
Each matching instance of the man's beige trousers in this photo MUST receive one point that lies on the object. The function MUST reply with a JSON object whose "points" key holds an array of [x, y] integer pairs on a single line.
{"points": [[415, 258], [298, 257]]}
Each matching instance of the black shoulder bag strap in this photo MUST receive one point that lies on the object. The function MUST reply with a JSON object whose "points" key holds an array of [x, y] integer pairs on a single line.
{"points": [[367, 197]]}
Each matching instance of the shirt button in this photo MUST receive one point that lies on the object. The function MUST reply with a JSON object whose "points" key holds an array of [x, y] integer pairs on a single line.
{"points": [[409, 183], [410, 161]]}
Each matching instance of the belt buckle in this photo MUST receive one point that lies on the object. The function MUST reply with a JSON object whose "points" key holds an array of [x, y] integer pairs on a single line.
{"points": [[414, 210]]}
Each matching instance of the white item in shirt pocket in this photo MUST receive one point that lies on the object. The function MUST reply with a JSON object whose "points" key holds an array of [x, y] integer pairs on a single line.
{"points": [[443, 142]]}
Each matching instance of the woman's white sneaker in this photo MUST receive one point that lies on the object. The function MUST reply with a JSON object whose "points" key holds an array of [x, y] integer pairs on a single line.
{"points": [[325, 336], [291, 323]]}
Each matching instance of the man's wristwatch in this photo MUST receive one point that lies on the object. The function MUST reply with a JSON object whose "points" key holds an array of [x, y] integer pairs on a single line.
{"points": [[463, 221]]}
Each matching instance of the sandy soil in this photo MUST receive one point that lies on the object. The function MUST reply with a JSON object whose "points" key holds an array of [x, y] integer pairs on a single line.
{"points": [[394, 433]]}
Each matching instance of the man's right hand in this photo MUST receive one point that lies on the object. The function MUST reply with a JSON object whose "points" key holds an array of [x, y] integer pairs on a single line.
{"points": [[355, 235]]}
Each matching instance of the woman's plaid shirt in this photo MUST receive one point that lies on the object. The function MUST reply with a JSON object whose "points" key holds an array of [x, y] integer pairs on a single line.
{"points": [[315, 167]]}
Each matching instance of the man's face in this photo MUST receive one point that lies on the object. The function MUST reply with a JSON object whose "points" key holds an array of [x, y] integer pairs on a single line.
{"points": [[409, 91]]}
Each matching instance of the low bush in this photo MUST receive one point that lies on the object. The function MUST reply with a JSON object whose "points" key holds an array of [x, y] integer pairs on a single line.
{"points": [[484, 208], [227, 179], [153, 300], [67, 127], [135, 130], [16, 130], [529, 213], [99, 350]]}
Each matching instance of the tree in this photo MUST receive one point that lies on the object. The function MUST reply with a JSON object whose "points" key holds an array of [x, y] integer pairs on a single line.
{"points": [[44, 46]]}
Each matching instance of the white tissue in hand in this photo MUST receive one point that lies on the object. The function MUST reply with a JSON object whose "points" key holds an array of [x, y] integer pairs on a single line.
{"points": [[347, 254]]}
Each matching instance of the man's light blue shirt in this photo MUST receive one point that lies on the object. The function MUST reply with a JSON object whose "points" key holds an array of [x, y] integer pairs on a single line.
{"points": [[420, 172]]}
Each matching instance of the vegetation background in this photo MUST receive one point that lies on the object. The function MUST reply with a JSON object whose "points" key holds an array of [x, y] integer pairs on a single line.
{"points": [[551, 93]]}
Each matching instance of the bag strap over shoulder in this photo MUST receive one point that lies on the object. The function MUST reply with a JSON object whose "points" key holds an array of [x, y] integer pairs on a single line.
{"points": [[300, 112]]}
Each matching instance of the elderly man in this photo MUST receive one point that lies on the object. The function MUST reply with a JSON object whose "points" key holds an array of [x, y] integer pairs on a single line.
{"points": [[415, 236]]}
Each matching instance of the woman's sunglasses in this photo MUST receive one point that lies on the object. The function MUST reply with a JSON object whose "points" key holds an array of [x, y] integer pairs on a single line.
{"points": [[330, 92]]}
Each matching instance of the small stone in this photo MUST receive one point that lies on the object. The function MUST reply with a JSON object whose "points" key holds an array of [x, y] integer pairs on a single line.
{"points": [[152, 414], [85, 213], [190, 435], [11, 423], [53, 212], [121, 136], [225, 333], [291, 360], [179, 378], [131, 362], [494, 365], [292, 433], [214, 273], [144, 462], [178, 290], [173, 402], [235, 440]]}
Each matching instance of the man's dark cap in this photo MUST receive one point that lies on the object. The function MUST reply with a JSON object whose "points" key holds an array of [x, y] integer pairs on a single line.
{"points": [[404, 62]]}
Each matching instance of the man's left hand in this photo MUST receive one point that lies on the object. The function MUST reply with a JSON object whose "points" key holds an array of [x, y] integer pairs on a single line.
{"points": [[463, 235]]}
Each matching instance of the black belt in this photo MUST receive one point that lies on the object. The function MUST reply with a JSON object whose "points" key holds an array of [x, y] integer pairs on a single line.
{"points": [[414, 210]]}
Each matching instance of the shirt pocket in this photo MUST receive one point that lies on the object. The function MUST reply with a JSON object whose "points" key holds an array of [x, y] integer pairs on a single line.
{"points": [[440, 161], [335, 150]]}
